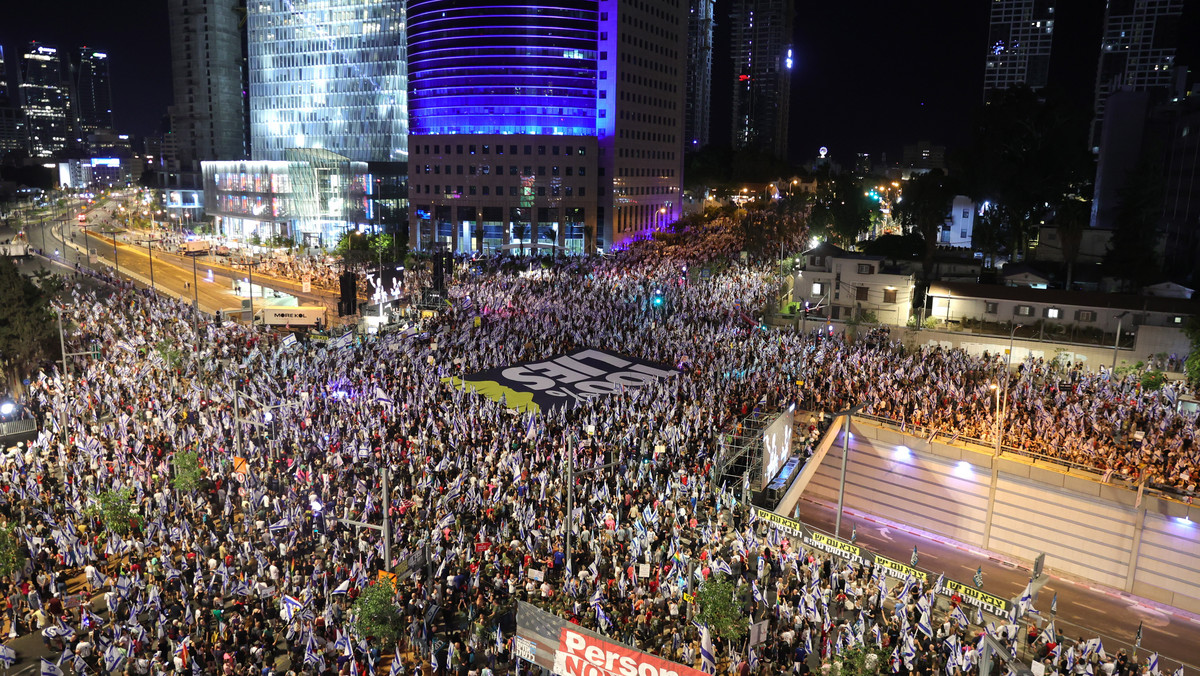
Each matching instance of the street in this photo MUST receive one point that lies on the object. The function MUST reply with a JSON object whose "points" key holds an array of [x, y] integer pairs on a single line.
{"points": [[1173, 633]]}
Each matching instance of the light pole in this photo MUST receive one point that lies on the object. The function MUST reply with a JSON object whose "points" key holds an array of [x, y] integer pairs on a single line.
{"points": [[195, 290], [150, 253], [996, 388], [250, 270], [837, 528], [571, 472], [1007, 376], [1117, 340]]}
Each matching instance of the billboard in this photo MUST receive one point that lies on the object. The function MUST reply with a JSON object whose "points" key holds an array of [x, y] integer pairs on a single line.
{"points": [[564, 380], [567, 649], [777, 447], [852, 553]]}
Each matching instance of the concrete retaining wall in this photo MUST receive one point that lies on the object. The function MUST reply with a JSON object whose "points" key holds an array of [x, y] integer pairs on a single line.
{"points": [[1088, 530]]}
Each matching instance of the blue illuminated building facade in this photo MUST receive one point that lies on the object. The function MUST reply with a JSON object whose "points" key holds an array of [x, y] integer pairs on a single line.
{"points": [[544, 125]]}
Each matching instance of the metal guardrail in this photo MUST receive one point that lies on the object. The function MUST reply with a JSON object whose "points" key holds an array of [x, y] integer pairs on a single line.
{"points": [[12, 428]]}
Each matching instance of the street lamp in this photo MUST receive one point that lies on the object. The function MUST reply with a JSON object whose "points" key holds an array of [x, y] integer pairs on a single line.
{"points": [[1117, 342], [150, 253], [996, 388], [848, 413]]}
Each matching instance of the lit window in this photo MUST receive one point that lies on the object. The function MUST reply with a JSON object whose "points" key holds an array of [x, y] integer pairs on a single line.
{"points": [[818, 288]]}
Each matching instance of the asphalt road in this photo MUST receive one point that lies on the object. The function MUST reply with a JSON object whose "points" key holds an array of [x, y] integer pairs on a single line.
{"points": [[206, 279], [1111, 615]]}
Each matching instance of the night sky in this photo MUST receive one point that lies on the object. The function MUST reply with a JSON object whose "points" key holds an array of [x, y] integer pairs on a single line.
{"points": [[870, 75]]}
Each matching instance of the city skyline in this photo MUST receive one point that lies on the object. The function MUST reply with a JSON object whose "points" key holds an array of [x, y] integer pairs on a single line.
{"points": [[851, 92]]}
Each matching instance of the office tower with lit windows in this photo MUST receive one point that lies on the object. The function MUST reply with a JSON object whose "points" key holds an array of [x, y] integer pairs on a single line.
{"points": [[698, 104], [208, 117], [761, 43], [1137, 52], [328, 75], [12, 121], [560, 129], [44, 100], [93, 93], [1020, 35]]}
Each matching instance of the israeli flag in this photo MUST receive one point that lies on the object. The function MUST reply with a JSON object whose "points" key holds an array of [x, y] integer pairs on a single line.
{"points": [[1152, 664], [7, 656], [112, 659], [288, 608], [50, 669], [342, 588], [708, 663]]}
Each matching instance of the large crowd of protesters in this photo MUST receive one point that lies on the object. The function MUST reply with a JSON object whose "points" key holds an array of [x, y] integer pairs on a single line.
{"points": [[254, 572]]}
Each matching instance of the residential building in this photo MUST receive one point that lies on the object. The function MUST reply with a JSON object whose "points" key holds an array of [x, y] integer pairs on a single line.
{"points": [[761, 38], [208, 117], [1019, 39], [93, 92], [563, 132], [333, 76], [952, 303], [44, 100], [697, 114], [960, 223], [841, 285], [311, 197], [1137, 52]]}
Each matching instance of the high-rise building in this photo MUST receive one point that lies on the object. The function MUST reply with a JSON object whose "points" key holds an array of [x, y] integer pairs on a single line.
{"points": [[1137, 51], [762, 69], [333, 76], [699, 73], [328, 75], [93, 94], [4, 93], [1019, 41], [44, 100], [555, 129], [208, 117], [12, 121]]}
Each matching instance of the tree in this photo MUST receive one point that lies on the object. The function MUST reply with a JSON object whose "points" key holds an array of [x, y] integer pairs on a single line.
{"points": [[720, 610], [1191, 367], [11, 559], [926, 203], [1029, 150], [1073, 217], [376, 614], [27, 326], [1131, 255], [188, 471], [115, 510]]}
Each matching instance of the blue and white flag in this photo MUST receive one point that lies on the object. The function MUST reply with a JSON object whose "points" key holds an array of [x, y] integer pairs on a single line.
{"points": [[708, 663], [288, 607], [7, 656], [50, 669], [342, 588], [1152, 663]]}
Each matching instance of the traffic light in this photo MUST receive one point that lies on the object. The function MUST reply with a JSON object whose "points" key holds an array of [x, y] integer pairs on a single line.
{"points": [[657, 299]]}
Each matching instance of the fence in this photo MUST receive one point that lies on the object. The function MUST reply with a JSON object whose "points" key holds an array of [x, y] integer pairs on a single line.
{"points": [[14, 428]]}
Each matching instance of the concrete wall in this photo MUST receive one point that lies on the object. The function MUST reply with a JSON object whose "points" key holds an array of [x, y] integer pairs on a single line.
{"points": [[1151, 340], [1088, 530]]}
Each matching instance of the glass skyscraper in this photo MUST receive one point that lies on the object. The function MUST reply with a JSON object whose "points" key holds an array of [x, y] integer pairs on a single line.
{"points": [[93, 94], [328, 74], [45, 100]]}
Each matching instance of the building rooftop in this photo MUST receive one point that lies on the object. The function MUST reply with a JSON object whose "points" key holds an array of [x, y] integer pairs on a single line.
{"points": [[1090, 299]]}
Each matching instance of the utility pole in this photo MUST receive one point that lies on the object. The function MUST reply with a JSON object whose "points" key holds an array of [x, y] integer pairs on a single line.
{"points": [[386, 528]]}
